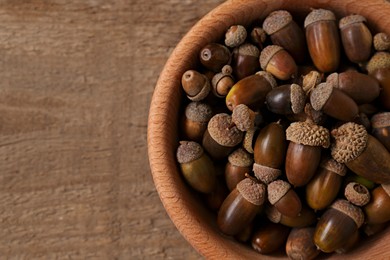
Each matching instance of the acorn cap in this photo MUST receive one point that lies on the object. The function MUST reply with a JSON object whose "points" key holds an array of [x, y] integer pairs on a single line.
{"points": [[266, 174], [319, 15], [357, 194], [298, 98], [380, 60], [248, 140], [267, 53], [252, 191], [273, 214], [386, 188], [235, 35], [188, 151], [221, 130], [276, 190], [351, 19], [308, 133], [380, 120], [268, 76], [276, 21], [198, 112], [333, 79], [248, 49], [243, 117], [203, 93], [240, 158], [310, 81], [334, 166], [381, 41], [350, 142], [350, 210], [320, 95]]}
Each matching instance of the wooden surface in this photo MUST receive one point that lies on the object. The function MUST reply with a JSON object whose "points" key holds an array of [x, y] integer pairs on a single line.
{"points": [[76, 80]]}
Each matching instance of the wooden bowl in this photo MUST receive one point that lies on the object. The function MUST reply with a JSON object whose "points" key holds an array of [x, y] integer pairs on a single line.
{"points": [[187, 212]]}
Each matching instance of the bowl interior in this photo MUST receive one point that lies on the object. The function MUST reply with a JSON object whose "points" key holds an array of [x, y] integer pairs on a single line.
{"points": [[196, 223]]}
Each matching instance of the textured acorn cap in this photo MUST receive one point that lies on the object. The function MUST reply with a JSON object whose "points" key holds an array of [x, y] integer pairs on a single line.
{"points": [[268, 76], [276, 190], [248, 49], [248, 140], [319, 15], [298, 98], [221, 130], [310, 81], [252, 191], [308, 133], [380, 120], [351, 19], [334, 166], [266, 174], [273, 214], [350, 210], [240, 158], [381, 41], [203, 93], [267, 53], [235, 36], [243, 117], [380, 60], [357, 194], [320, 95], [333, 79], [350, 142], [276, 21], [198, 112], [386, 188], [188, 151]]}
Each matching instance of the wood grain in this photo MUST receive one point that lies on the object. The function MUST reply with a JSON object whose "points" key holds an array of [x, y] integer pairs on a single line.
{"points": [[76, 84]]}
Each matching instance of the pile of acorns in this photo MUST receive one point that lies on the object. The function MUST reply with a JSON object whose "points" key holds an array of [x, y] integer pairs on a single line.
{"points": [[299, 140]]}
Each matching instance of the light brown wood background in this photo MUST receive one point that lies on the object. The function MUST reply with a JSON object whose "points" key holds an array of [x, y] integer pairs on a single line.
{"points": [[76, 80]]}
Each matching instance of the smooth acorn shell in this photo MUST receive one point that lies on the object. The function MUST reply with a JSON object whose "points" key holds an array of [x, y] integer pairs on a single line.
{"points": [[300, 244], [282, 66], [193, 130], [383, 76], [333, 230], [341, 106], [373, 229], [305, 218], [193, 82], [246, 234], [289, 205], [214, 56], [301, 163], [383, 135], [236, 213], [215, 150], [269, 237], [279, 100], [357, 41], [244, 65], [234, 174], [378, 209], [350, 243]]}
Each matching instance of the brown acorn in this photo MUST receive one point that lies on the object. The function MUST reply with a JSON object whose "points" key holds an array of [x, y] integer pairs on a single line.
{"points": [[304, 151], [258, 36], [269, 237], [222, 82], [197, 168], [246, 234], [214, 56], [241, 206], [245, 61], [323, 188], [381, 42], [350, 243], [239, 163], [336, 225], [277, 61], [381, 128], [300, 244], [305, 218], [269, 152], [362, 153], [286, 99], [221, 136], [323, 40], [251, 91], [356, 38], [357, 194], [285, 32], [195, 85], [333, 102], [284, 198], [195, 119], [235, 36], [379, 67], [378, 209]]}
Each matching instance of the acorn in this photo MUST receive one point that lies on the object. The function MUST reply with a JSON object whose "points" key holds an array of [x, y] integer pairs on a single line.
{"points": [[269, 152], [251, 91], [300, 244], [214, 56], [323, 40], [246, 234], [221, 136], [305, 218], [241, 206], [284, 198], [258, 36], [336, 225], [285, 32], [356, 38], [245, 61], [379, 67], [195, 119], [235, 36], [239, 163], [362, 153], [195, 85], [277, 61], [311, 80], [381, 128], [222, 82], [304, 151], [286, 99], [243, 117], [378, 209], [350, 243], [381, 42], [333, 102], [197, 168], [362, 88], [269, 237], [323, 188]]}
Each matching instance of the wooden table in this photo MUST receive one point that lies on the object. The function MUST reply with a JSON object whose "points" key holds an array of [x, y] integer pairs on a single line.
{"points": [[76, 80]]}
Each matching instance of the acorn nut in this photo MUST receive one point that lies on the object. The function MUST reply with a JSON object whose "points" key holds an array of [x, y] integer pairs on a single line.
{"points": [[300, 244], [222, 82], [378, 209], [381, 128], [214, 56], [284, 198], [277, 61], [269, 237], [286, 99], [235, 36], [305, 218], [195, 85], [350, 243], [239, 163], [194, 122], [245, 61]]}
